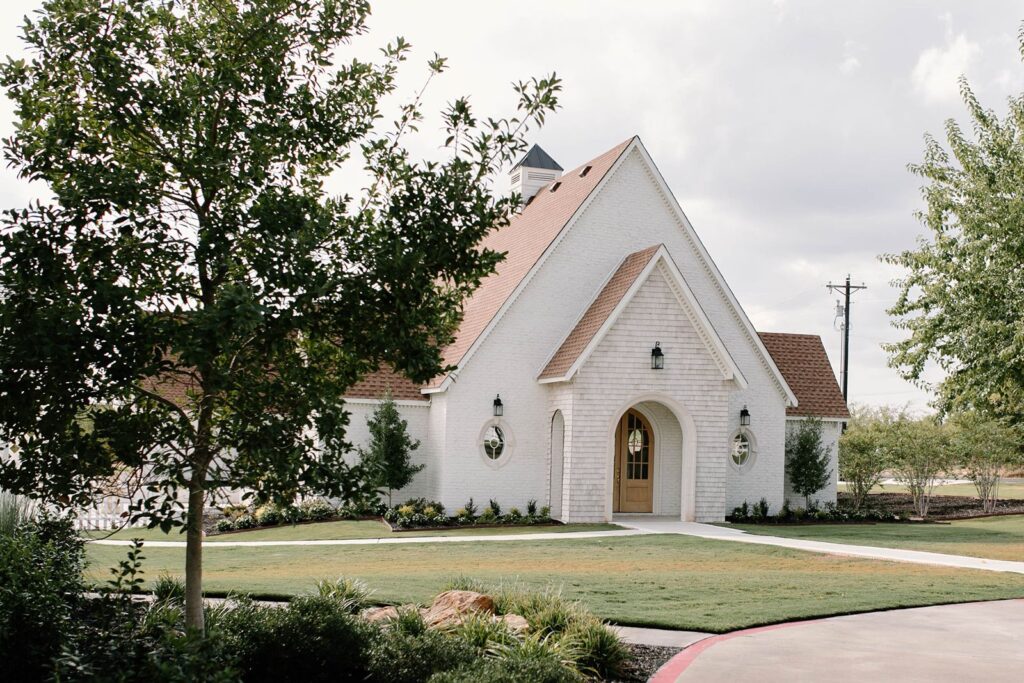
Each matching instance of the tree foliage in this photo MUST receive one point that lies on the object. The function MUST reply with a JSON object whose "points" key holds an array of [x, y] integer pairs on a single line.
{"points": [[387, 457], [863, 457], [983, 449], [963, 292], [807, 459], [917, 453], [190, 305]]}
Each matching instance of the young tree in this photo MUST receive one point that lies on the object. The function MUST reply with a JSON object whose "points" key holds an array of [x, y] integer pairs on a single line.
{"points": [[963, 292], [191, 303], [918, 454], [862, 458], [387, 460], [984, 448], [807, 459]]}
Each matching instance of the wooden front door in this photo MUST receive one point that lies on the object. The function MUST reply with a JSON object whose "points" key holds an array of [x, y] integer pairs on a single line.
{"points": [[634, 465]]}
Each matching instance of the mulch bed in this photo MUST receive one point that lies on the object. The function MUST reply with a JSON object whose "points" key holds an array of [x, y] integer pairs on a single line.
{"points": [[941, 507], [646, 659], [449, 527]]}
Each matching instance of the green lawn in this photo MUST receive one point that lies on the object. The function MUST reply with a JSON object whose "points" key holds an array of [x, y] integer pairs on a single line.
{"points": [[332, 531], [998, 538], [1006, 491], [661, 580]]}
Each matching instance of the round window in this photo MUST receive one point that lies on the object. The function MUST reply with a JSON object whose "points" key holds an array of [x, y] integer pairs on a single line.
{"points": [[740, 450], [494, 442]]}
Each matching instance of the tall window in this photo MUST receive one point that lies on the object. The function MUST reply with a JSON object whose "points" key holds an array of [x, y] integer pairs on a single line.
{"points": [[638, 448]]}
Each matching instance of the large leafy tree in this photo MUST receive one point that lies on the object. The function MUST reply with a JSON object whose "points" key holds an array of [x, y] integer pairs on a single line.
{"points": [[963, 292], [188, 308]]}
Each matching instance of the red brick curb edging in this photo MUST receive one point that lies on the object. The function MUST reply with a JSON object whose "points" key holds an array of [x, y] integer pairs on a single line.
{"points": [[674, 668]]}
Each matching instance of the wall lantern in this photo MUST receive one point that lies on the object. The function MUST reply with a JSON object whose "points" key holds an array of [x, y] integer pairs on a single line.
{"points": [[744, 417], [657, 357], [499, 408]]}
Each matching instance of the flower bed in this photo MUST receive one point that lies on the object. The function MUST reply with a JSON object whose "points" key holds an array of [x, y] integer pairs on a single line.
{"points": [[829, 513], [419, 513], [243, 518]]}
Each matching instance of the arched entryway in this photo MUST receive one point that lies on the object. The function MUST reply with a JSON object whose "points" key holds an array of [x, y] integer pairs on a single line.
{"points": [[633, 489], [670, 460], [557, 462]]}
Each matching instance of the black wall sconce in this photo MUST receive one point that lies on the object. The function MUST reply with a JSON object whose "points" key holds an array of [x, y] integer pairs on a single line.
{"points": [[499, 407], [657, 357], [744, 417]]}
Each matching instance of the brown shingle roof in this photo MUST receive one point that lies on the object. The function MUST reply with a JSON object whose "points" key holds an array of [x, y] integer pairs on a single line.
{"points": [[596, 315], [376, 384], [803, 362], [524, 240]]}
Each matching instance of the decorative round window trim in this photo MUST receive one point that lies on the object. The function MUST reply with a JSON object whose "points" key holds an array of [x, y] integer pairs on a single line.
{"points": [[751, 450], [495, 443]]}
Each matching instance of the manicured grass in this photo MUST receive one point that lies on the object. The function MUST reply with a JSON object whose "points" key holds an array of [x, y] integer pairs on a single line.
{"points": [[998, 538], [659, 580], [330, 531], [1006, 491]]}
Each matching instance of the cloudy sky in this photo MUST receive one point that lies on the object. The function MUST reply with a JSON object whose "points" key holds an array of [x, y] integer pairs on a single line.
{"points": [[783, 127]]}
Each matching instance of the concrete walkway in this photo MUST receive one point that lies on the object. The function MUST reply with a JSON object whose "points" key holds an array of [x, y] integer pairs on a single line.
{"points": [[659, 637], [978, 641], [667, 525], [468, 538]]}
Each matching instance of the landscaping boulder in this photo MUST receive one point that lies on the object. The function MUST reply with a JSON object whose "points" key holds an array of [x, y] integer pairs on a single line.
{"points": [[451, 607], [514, 622], [380, 614]]}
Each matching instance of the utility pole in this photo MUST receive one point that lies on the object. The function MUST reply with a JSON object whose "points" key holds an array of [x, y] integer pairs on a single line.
{"points": [[846, 289]]}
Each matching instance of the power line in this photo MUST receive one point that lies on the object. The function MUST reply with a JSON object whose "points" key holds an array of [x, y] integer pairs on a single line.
{"points": [[843, 310]]}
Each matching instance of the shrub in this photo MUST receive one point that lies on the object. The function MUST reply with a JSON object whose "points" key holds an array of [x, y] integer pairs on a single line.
{"points": [[598, 649], [493, 506], [246, 521], [545, 512], [40, 595], [350, 595], [480, 631], [233, 512], [760, 510], [543, 670], [223, 525], [268, 515], [401, 656], [471, 508], [316, 510], [514, 515], [531, 507], [167, 588], [313, 639], [487, 517]]}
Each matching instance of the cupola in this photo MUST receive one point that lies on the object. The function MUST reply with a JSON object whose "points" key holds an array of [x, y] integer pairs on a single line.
{"points": [[534, 171]]}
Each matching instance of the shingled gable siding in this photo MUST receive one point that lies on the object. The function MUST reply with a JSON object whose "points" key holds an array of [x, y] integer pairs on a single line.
{"points": [[618, 370], [628, 214]]}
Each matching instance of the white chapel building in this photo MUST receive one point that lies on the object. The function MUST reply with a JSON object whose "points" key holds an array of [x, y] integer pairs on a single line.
{"points": [[606, 366]]}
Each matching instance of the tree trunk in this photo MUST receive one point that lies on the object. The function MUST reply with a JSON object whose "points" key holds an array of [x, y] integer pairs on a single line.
{"points": [[194, 557]]}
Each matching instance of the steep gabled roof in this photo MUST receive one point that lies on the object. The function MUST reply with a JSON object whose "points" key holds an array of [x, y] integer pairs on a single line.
{"points": [[384, 380], [805, 365], [538, 158], [524, 240], [612, 300]]}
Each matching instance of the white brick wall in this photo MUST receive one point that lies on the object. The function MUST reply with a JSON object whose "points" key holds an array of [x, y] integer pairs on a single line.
{"points": [[628, 214]]}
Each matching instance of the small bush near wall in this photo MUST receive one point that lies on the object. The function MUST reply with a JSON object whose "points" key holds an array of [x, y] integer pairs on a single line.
{"points": [[419, 513]]}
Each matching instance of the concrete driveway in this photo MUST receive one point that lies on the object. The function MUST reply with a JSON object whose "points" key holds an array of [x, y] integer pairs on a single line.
{"points": [[980, 641]]}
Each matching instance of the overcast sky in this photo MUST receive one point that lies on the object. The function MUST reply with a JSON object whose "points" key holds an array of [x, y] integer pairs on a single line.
{"points": [[784, 128]]}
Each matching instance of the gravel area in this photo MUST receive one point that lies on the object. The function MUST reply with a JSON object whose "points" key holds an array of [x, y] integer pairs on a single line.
{"points": [[646, 660], [941, 507]]}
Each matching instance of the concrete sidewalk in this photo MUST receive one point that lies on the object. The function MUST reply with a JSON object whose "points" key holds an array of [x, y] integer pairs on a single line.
{"points": [[978, 641], [387, 541], [666, 525]]}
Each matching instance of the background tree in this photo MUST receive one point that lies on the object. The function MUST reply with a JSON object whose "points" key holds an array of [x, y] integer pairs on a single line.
{"points": [[862, 456], [962, 296], [807, 459], [190, 303], [387, 459], [917, 453], [984, 449]]}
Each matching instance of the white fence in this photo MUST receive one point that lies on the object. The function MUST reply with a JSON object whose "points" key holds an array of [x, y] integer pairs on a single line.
{"points": [[111, 513]]}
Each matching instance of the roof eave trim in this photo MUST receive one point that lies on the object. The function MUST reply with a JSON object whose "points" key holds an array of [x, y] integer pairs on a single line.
{"points": [[791, 400], [446, 383], [687, 301]]}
